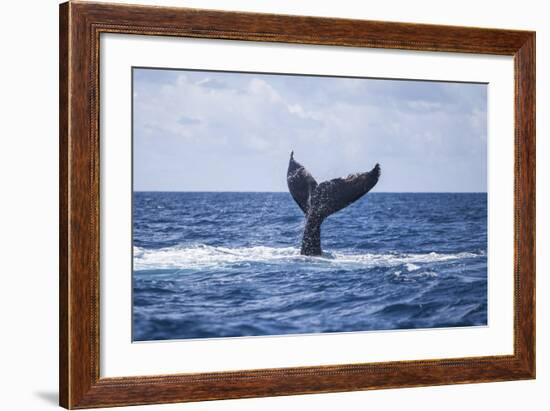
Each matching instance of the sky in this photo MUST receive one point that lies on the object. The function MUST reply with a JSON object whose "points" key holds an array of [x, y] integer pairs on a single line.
{"points": [[225, 131]]}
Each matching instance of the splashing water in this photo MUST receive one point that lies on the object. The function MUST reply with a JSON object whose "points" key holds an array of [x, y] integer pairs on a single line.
{"points": [[228, 264], [204, 256]]}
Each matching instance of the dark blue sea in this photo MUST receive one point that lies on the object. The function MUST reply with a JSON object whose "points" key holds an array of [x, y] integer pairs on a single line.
{"points": [[210, 265]]}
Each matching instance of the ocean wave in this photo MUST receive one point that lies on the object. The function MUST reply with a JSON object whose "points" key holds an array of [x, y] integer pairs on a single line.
{"points": [[203, 256]]}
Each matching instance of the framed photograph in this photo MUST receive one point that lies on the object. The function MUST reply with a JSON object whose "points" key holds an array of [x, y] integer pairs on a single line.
{"points": [[258, 205]]}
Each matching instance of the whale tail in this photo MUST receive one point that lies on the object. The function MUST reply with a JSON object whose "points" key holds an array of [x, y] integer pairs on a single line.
{"points": [[318, 201]]}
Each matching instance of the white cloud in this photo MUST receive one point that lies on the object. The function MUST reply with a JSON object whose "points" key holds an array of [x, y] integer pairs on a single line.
{"points": [[209, 122], [264, 90]]}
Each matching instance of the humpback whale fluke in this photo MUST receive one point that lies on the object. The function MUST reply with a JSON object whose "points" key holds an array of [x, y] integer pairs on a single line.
{"points": [[318, 201]]}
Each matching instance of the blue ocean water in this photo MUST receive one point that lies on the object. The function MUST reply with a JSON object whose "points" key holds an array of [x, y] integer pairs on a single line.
{"points": [[209, 265]]}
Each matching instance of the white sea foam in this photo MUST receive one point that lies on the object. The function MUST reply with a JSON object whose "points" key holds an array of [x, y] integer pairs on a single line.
{"points": [[203, 256]]}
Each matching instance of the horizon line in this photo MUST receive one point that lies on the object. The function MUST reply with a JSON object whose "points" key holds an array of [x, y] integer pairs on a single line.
{"points": [[277, 192]]}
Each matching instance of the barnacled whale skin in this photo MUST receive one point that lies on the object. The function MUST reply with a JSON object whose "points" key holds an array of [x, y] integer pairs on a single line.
{"points": [[318, 201]]}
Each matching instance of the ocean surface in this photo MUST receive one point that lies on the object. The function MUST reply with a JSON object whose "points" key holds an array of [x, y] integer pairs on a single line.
{"points": [[208, 265]]}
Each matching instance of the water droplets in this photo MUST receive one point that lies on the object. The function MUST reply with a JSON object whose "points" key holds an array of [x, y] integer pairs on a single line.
{"points": [[206, 256]]}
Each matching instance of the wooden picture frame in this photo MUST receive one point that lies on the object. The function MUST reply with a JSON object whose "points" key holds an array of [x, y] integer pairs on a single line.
{"points": [[80, 27]]}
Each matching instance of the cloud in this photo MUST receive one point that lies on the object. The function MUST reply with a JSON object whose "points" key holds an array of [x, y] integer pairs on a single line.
{"points": [[230, 131], [188, 121], [212, 83]]}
